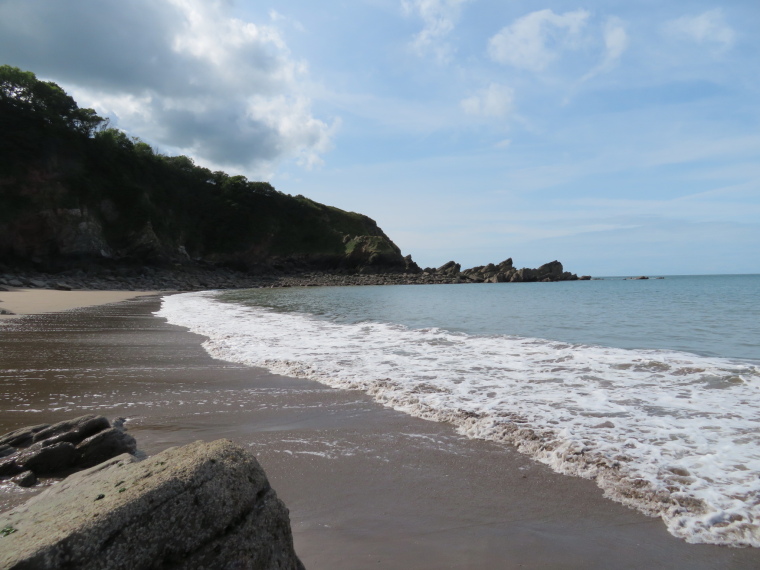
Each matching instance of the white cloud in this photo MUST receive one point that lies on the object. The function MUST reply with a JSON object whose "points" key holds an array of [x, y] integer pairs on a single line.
{"points": [[494, 101], [615, 44], [181, 74], [535, 40], [439, 18], [707, 28]]}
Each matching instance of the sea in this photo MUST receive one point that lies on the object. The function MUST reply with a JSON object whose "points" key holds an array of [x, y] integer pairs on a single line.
{"points": [[649, 387]]}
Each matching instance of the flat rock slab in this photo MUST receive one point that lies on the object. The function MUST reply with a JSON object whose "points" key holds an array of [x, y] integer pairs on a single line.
{"points": [[203, 505]]}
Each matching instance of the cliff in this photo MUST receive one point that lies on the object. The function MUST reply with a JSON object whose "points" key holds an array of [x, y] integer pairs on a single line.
{"points": [[73, 192]]}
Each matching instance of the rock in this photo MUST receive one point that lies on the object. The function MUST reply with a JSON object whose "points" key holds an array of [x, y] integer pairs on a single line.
{"points": [[6, 312], [47, 459], [22, 437], [104, 445], [55, 450], [38, 283], [552, 271], [9, 467], [204, 505], [6, 450], [25, 479], [60, 286], [450, 268], [15, 283], [74, 430]]}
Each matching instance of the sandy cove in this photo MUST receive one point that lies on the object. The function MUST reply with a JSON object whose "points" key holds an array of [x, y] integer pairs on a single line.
{"points": [[367, 487]]}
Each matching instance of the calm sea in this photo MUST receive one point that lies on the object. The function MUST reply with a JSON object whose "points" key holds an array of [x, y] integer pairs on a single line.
{"points": [[650, 387]]}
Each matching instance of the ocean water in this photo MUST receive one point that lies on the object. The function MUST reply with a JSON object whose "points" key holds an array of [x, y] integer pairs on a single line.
{"points": [[652, 388]]}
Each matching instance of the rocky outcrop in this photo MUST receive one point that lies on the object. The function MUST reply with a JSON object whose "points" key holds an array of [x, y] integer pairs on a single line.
{"points": [[505, 272], [204, 505], [189, 278], [57, 450]]}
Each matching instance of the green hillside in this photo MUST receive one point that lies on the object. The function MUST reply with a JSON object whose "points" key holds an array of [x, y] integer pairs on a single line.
{"points": [[73, 190]]}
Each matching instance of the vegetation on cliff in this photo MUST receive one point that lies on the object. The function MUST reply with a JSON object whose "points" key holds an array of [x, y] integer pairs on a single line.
{"points": [[71, 188]]}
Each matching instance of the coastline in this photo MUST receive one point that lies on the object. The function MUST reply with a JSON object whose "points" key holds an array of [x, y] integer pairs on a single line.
{"points": [[365, 485]]}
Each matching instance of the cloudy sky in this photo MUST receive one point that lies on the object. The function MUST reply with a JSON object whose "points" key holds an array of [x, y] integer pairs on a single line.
{"points": [[618, 137]]}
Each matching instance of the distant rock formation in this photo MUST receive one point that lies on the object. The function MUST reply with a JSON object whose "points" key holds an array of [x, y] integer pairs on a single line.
{"points": [[57, 450], [504, 272], [203, 505]]}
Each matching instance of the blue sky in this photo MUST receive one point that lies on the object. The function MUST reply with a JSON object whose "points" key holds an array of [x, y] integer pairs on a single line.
{"points": [[617, 137]]}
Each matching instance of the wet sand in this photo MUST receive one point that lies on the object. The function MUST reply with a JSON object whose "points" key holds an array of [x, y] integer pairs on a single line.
{"points": [[367, 487]]}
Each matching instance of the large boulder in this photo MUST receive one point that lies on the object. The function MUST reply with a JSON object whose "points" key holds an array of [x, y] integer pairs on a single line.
{"points": [[204, 505]]}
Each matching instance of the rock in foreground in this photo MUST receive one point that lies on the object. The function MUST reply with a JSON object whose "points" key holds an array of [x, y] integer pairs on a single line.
{"points": [[58, 449], [204, 505]]}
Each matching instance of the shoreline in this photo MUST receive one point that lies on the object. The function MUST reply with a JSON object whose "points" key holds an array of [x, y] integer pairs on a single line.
{"points": [[366, 486]]}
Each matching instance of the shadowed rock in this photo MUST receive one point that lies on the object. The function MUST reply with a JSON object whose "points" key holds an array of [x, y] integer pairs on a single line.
{"points": [[104, 445], [47, 459], [22, 437], [204, 505], [73, 430], [54, 450]]}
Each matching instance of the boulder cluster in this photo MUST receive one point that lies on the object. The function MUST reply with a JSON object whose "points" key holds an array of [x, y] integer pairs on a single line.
{"points": [[505, 272], [57, 450], [199, 277], [203, 505]]}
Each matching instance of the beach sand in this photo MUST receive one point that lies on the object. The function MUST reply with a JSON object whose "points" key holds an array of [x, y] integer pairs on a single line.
{"points": [[367, 487], [39, 301]]}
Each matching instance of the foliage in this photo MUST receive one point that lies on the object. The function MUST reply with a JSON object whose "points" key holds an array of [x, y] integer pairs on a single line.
{"points": [[131, 187], [23, 94]]}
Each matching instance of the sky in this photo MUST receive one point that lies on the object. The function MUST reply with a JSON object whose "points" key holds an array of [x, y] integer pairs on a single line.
{"points": [[619, 137]]}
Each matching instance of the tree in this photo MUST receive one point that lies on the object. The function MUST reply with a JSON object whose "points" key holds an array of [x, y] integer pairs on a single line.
{"points": [[22, 93]]}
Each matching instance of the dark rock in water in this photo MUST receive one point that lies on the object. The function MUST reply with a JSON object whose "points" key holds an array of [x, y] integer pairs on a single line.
{"points": [[54, 450], [74, 430], [8, 466], [104, 445], [6, 450], [505, 272], [22, 437], [47, 459], [25, 479], [204, 505]]}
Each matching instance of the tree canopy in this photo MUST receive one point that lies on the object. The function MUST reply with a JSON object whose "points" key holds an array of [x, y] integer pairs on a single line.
{"points": [[22, 93]]}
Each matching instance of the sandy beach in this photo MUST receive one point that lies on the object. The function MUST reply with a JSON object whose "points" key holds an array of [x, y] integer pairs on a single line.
{"points": [[21, 302], [366, 486]]}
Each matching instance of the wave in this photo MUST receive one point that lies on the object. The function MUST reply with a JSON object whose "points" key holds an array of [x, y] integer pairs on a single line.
{"points": [[671, 434]]}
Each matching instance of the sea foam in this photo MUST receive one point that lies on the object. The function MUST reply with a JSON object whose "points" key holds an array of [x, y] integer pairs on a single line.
{"points": [[669, 433]]}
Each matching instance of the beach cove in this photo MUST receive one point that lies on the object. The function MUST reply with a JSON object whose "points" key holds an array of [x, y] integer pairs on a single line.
{"points": [[365, 485]]}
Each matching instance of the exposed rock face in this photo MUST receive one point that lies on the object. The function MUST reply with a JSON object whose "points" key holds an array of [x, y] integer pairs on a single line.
{"points": [[204, 505], [504, 272], [56, 449]]}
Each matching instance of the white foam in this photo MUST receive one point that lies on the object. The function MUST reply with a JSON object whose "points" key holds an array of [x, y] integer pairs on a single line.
{"points": [[672, 434]]}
